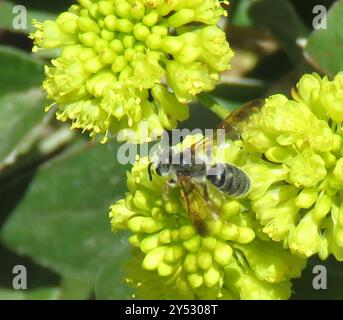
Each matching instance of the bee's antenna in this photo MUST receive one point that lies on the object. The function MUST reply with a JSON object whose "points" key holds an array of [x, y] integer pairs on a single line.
{"points": [[149, 170]]}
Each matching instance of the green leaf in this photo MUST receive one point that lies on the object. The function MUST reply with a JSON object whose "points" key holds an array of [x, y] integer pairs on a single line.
{"points": [[104, 285], [282, 21], [20, 110], [240, 15], [8, 294], [75, 289], [325, 47], [43, 294], [38, 294], [19, 114], [7, 15], [62, 219], [19, 71]]}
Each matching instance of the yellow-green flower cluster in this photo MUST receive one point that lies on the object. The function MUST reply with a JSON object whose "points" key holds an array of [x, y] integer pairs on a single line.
{"points": [[296, 166], [127, 61], [172, 260]]}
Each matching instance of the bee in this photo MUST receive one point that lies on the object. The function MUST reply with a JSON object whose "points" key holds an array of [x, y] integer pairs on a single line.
{"points": [[192, 173]]}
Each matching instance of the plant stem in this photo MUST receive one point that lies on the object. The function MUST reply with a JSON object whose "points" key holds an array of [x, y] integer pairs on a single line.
{"points": [[207, 101]]}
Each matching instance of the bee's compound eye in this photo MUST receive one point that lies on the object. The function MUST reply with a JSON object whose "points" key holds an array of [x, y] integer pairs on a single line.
{"points": [[162, 170], [158, 171]]}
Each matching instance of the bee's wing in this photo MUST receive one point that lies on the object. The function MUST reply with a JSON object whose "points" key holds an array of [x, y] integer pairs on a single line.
{"points": [[232, 126], [234, 123], [199, 206]]}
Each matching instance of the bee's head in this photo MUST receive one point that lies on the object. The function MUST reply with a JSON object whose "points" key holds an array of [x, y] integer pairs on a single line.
{"points": [[161, 169], [161, 163]]}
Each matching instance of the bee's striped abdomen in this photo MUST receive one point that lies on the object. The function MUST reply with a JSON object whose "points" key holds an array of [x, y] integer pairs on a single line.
{"points": [[230, 179]]}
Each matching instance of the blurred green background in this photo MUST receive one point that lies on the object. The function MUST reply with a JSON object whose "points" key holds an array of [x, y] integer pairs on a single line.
{"points": [[56, 186]]}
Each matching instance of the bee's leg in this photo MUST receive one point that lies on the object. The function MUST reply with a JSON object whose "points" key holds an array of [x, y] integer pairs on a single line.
{"points": [[205, 191], [166, 189]]}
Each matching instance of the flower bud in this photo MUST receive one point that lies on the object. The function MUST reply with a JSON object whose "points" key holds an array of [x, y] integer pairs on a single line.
{"points": [[223, 253], [196, 280], [149, 243], [306, 198], [153, 258], [211, 277], [305, 239]]}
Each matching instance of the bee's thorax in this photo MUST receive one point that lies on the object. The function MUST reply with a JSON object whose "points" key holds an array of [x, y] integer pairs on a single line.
{"points": [[226, 177]]}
